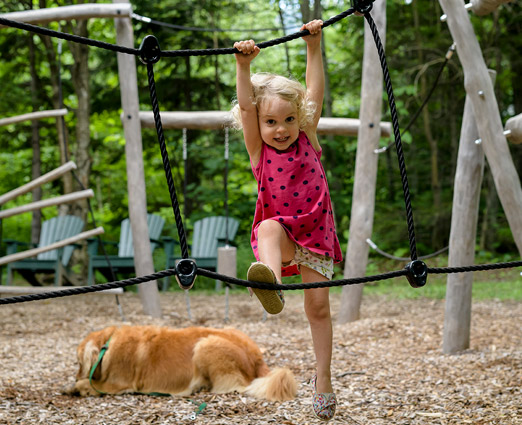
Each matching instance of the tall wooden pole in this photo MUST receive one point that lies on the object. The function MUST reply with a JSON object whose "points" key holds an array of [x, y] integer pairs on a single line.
{"points": [[479, 88], [135, 171], [464, 218], [363, 199]]}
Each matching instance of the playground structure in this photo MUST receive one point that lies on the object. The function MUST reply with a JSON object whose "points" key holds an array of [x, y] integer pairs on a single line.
{"points": [[483, 105], [42, 204]]}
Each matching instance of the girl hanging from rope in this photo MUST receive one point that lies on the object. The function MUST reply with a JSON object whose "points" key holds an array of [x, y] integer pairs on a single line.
{"points": [[293, 230]]}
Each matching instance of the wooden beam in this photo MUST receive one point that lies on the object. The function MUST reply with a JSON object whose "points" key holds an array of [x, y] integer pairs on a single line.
{"points": [[485, 7], [21, 290], [51, 175], [67, 13], [366, 165], [464, 218], [215, 120], [136, 187], [57, 200], [514, 126], [35, 251], [479, 88], [53, 113]]}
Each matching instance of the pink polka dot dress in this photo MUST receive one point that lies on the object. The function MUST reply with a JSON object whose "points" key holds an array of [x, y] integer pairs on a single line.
{"points": [[292, 189]]}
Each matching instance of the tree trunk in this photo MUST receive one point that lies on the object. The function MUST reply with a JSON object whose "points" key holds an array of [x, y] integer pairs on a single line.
{"points": [[54, 76], [434, 159], [80, 80], [36, 169], [363, 200]]}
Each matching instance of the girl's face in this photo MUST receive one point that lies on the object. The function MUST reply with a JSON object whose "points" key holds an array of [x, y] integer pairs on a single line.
{"points": [[278, 122]]}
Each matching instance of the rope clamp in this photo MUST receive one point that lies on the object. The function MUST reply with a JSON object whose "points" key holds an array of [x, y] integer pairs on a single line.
{"points": [[186, 273], [417, 273], [362, 6], [150, 51]]}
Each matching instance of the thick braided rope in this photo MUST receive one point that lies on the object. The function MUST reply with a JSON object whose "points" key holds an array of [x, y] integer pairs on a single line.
{"points": [[166, 53], [69, 37], [262, 45], [202, 272], [166, 162], [397, 134], [234, 281]]}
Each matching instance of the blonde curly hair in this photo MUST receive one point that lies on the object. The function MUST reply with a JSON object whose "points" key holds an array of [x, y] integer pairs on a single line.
{"points": [[266, 85]]}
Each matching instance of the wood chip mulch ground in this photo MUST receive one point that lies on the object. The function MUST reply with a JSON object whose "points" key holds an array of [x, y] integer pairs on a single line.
{"points": [[388, 367]]}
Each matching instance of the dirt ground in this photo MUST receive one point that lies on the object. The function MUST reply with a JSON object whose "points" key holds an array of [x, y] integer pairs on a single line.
{"points": [[388, 367]]}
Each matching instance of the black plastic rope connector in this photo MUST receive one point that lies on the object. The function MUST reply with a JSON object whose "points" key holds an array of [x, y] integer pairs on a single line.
{"points": [[362, 6], [186, 273], [150, 51], [417, 273]]}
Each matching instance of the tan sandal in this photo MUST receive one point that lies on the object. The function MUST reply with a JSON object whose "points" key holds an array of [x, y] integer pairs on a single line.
{"points": [[272, 300]]}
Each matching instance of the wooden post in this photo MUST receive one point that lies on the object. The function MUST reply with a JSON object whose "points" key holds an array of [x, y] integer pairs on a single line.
{"points": [[148, 291], [479, 88], [363, 200], [226, 262], [464, 217]]}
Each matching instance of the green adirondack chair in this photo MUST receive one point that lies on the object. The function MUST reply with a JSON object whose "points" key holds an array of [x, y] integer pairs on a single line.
{"points": [[55, 261], [123, 262], [209, 234]]}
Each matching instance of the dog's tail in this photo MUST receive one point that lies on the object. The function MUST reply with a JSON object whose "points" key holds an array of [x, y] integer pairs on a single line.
{"points": [[278, 385]]}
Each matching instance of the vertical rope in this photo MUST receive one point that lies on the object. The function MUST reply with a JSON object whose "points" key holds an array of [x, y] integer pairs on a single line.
{"points": [[397, 134], [166, 163]]}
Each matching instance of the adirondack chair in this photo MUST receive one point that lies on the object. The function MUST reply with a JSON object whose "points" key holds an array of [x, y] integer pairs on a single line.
{"points": [[123, 262], [209, 234], [55, 261]]}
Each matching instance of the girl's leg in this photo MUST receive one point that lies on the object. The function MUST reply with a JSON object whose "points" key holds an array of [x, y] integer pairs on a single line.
{"points": [[274, 246], [317, 309]]}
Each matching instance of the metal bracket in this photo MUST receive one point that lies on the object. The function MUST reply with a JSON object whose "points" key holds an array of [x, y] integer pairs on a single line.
{"points": [[417, 273], [362, 6], [186, 273], [150, 51]]}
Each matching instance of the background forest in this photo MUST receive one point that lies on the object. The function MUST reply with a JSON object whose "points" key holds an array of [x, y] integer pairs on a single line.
{"points": [[38, 73]]}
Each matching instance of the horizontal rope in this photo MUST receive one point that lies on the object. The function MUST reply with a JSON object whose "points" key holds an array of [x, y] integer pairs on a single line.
{"points": [[69, 37], [167, 53], [78, 290], [475, 268]]}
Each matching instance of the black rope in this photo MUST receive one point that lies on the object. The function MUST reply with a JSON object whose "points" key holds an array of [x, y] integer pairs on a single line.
{"points": [[426, 99], [69, 37], [151, 21], [78, 290], [397, 134], [262, 45], [166, 53], [166, 162]]}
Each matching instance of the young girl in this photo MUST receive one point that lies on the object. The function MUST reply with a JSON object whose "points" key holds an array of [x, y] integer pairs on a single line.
{"points": [[293, 230]]}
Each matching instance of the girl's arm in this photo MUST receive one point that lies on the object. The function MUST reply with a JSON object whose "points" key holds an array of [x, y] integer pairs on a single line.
{"points": [[314, 75], [245, 96]]}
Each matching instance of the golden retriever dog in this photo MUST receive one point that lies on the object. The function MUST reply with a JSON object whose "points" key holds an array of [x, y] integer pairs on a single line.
{"points": [[150, 359]]}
